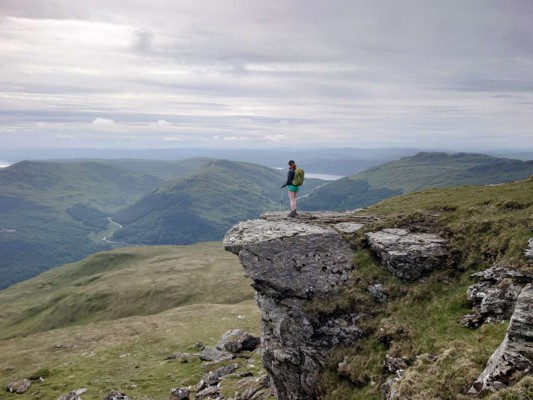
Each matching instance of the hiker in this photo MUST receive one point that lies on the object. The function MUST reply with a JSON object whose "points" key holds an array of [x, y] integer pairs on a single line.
{"points": [[292, 188]]}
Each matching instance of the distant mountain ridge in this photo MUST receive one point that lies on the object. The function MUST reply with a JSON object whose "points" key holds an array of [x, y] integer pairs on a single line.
{"points": [[202, 206], [50, 212], [410, 174], [57, 212]]}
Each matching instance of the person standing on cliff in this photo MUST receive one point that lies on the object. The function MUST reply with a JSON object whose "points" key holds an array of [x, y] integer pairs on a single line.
{"points": [[291, 188]]}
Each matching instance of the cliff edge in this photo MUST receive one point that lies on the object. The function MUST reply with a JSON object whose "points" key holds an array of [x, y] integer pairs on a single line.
{"points": [[295, 262]]}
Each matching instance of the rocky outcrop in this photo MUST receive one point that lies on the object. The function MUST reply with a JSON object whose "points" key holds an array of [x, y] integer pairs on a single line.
{"points": [[514, 358], [408, 255], [18, 386], [494, 296], [237, 340], [528, 252], [235, 345], [73, 394], [179, 394], [116, 395], [291, 263]]}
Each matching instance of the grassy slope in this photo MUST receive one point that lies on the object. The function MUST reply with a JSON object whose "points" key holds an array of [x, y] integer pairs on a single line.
{"points": [[174, 296], [120, 283], [203, 206], [484, 225], [410, 174]]}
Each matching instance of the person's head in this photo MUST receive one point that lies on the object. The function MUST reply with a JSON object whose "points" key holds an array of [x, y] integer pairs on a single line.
{"points": [[292, 164]]}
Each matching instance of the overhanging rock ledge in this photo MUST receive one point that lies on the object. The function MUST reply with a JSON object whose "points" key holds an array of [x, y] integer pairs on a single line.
{"points": [[291, 262]]}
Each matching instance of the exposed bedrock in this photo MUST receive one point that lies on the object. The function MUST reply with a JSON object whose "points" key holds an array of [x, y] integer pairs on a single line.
{"points": [[514, 358], [292, 262]]}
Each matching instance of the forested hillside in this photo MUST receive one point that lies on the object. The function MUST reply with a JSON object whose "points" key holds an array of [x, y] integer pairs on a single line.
{"points": [[410, 174]]}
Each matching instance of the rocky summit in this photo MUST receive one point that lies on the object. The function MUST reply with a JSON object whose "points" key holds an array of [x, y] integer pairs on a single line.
{"points": [[294, 261], [291, 263]]}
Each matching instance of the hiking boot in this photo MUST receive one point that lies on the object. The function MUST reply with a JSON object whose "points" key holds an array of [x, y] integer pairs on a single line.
{"points": [[292, 214]]}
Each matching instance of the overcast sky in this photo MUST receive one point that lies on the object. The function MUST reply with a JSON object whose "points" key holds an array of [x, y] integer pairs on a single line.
{"points": [[453, 74]]}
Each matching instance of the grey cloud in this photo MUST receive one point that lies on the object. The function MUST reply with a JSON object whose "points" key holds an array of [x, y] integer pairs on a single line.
{"points": [[144, 41], [348, 68]]}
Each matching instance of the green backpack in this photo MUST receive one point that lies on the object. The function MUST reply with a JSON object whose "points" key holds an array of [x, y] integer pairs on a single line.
{"points": [[298, 177]]}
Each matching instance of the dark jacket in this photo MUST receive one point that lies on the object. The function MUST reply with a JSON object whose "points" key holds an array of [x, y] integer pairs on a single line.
{"points": [[290, 178]]}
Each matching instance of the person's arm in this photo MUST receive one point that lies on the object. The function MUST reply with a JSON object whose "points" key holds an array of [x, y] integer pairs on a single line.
{"points": [[290, 178]]}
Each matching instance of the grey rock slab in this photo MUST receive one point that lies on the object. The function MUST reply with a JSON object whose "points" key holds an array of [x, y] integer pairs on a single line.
{"points": [[213, 354], [259, 231], [179, 394], [494, 297], [290, 259], [322, 217], [237, 340], [73, 394], [18, 386], [116, 395], [348, 227], [408, 255], [514, 357]]}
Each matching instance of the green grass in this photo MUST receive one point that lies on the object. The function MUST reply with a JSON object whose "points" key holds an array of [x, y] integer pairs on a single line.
{"points": [[127, 354], [108, 322], [484, 225], [121, 283]]}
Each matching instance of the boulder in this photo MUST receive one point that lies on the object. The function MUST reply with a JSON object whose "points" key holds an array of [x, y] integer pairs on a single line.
{"points": [[116, 395], [210, 353], [18, 386], [73, 394], [179, 394], [237, 340], [514, 357], [494, 297], [407, 255]]}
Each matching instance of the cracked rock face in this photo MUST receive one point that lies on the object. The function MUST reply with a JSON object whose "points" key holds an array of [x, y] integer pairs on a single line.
{"points": [[291, 262], [291, 259], [494, 296], [409, 255], [514, 358]]}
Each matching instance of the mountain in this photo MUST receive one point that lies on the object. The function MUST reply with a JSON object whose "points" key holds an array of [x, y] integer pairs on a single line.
{"points": [[331, 161], [111, 321], [410, 174], [57, 212], [50, 213], [202, 206], [163, 169], [423, 296]]}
